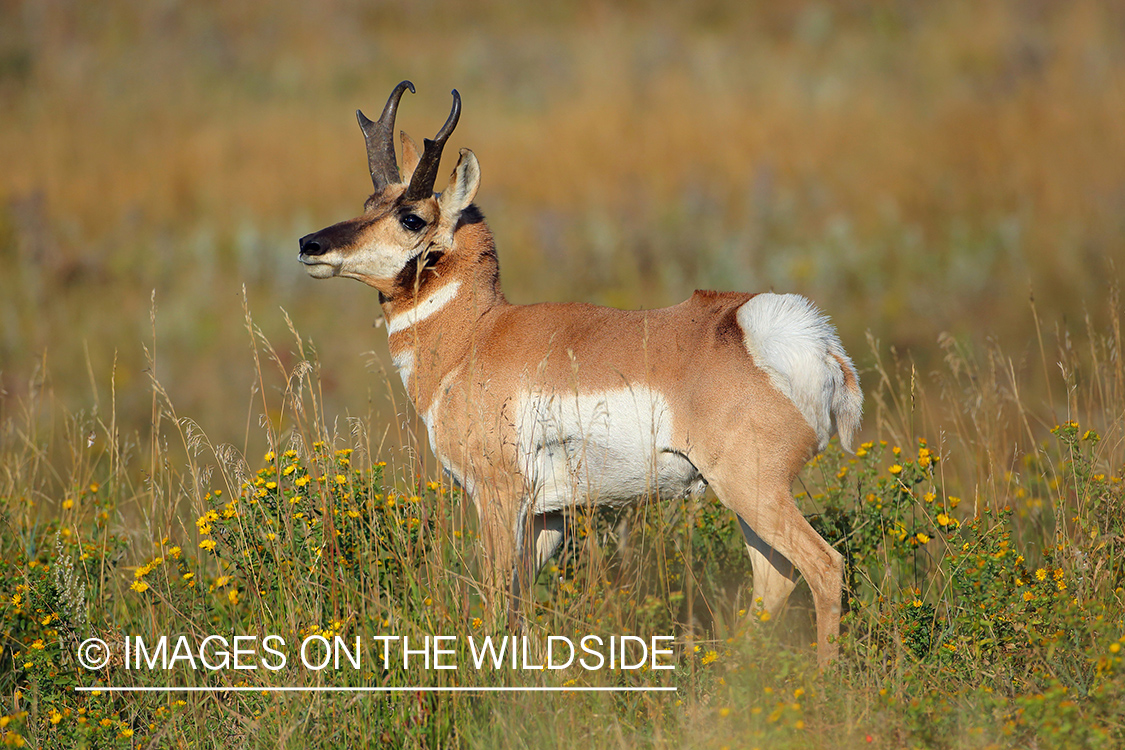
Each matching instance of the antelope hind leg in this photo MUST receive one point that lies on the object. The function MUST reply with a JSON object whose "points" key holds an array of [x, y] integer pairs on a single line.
{"points": [[774, 576]]}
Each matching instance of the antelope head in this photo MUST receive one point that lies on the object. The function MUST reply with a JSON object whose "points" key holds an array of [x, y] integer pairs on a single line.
{"points": [[405, 228]]}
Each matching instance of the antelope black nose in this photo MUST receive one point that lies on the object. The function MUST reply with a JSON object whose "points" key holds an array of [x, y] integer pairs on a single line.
{"points": [[310, 245]]}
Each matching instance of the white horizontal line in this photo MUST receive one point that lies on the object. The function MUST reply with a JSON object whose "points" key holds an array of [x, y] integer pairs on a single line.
{"points": [[416, 689], [423, 309]]}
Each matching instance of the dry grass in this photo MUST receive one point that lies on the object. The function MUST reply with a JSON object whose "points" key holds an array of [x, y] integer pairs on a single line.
{"points": [[915, 170], [1030, 656]]}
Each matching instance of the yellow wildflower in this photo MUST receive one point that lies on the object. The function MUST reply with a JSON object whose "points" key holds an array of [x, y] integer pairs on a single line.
{"points": [[945, 520]]}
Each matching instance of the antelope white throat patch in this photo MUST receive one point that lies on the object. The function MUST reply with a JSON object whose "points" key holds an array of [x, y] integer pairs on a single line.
{"points": [[424, 309]]}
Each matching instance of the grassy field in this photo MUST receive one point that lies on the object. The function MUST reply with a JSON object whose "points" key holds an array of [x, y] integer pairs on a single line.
{"points": [[197, 439]]}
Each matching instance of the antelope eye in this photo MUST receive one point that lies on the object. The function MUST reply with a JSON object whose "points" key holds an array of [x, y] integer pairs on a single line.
{"points": [[412, 222]]}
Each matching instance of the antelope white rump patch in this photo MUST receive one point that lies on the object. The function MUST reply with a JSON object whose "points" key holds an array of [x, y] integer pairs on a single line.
{"points": [[797, 346]]}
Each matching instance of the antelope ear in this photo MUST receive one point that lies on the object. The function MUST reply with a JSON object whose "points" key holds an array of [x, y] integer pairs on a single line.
{"points": [[410, 156], [463, 184]]}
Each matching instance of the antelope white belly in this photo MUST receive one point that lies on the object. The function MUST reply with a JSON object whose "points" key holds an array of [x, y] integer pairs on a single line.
{"points": [[604, 447]]}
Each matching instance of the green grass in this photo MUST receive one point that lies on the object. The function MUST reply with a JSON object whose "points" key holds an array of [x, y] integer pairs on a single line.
{"points": [[984, 565]]}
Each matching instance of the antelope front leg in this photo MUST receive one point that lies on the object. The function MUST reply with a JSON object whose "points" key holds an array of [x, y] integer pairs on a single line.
{"points": [[497, 547]]}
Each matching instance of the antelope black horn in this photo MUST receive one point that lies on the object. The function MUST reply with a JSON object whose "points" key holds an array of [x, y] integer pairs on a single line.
{"points": [[380, 140], [422, 183]]}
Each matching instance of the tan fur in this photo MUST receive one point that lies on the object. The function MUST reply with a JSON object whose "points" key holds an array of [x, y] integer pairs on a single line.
{"points": [[472, 358], [410, 156]]}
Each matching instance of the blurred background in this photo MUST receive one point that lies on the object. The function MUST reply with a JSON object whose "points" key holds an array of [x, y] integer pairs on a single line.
{"points": [[917, 169]]}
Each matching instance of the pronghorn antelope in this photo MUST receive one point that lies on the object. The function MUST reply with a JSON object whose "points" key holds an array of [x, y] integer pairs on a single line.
{"points": [[534, 409]]}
